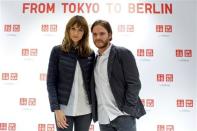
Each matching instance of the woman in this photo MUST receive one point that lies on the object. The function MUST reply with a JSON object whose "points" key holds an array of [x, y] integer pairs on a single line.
{"points": [[69, 72]]}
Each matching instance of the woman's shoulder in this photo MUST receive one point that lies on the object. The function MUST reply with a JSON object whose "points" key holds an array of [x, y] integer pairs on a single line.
{"points": [[56, 47]]}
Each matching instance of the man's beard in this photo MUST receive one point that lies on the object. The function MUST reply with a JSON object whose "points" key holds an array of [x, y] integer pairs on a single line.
{"points": [[105, 43]]}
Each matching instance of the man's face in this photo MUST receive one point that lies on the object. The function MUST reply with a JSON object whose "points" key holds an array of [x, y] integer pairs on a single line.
{"points": [[101, 37]]}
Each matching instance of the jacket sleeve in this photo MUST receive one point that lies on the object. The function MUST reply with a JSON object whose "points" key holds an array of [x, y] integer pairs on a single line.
{"points": [[52, 77], [131, 78]]}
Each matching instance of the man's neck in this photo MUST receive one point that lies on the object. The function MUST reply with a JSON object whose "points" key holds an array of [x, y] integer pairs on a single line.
{"points": [[103, 49]]}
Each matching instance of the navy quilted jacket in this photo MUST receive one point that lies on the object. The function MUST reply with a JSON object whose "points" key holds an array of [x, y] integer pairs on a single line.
{"points": [[60, 75]]}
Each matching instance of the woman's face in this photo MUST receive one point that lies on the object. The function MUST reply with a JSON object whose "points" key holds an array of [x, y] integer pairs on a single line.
{"points": [[76, 33]]}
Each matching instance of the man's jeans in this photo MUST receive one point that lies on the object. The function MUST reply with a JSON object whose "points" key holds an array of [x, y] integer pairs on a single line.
{"points": [[121, 123], [80, 123]]}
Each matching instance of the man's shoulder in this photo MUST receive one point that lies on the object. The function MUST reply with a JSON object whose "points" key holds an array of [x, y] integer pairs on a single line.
{"points": [[121, 48]]}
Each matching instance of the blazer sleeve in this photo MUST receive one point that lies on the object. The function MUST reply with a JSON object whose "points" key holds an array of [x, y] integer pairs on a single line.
{"points": [[52, 78], [131, 76]]}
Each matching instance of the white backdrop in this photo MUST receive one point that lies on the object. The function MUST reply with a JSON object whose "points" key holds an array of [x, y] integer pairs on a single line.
{"points": [[161, 34]]}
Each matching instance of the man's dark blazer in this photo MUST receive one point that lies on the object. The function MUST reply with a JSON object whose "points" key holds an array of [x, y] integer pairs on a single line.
{"points": [[124, 82]]}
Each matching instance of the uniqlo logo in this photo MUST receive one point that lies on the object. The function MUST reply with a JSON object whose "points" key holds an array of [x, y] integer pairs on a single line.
{"points": [[46, 127], [149, 52], [53, 28], [163, 28], [43, 76], [165, 127], [12, 28], [189, 103], [169, 77], [28, 101], [150, 103], [50, 127], [179, 53], [13, 76], [45, 28], [7, 126], [23, 101], [33, 52], [143, 52], [160, 77], [169, 127], [3, 126], [29, 52], [49, 28], [11, 126], [183, 53], [5, 76], [125, 28], [9, 76], [184, 103], [165, 77], [188, 53], [7, 28], [32, 101], [91, 128]]}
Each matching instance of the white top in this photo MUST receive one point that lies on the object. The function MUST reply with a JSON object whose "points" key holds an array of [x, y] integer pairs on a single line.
{"points": [[78, 102]]}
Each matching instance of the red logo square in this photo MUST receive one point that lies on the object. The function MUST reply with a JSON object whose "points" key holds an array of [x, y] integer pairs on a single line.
{"points": [[5, 76], [188, 53], [160, 77], [16, 28], [150, 102], [179, 53], [180, 103], [168, 28], [169, 77], [11, 126], [189, 103], [159, 28], [140, 52], [149, 52], [7, 28]]}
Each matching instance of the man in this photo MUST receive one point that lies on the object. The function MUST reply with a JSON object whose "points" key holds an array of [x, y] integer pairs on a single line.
{"points": [[115, 83]]}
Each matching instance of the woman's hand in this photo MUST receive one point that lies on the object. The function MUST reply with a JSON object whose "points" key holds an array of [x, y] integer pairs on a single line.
{"points": [[61, 120]]}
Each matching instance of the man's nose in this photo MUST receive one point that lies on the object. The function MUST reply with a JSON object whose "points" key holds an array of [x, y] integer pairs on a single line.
{"points": [[97, 37]]}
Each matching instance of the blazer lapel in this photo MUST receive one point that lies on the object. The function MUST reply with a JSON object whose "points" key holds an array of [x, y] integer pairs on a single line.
{"points": [[110, 61]]}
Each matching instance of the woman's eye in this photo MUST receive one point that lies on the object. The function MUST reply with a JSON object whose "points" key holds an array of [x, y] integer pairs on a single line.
{"points": [[72, 28], [81, 30]]}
